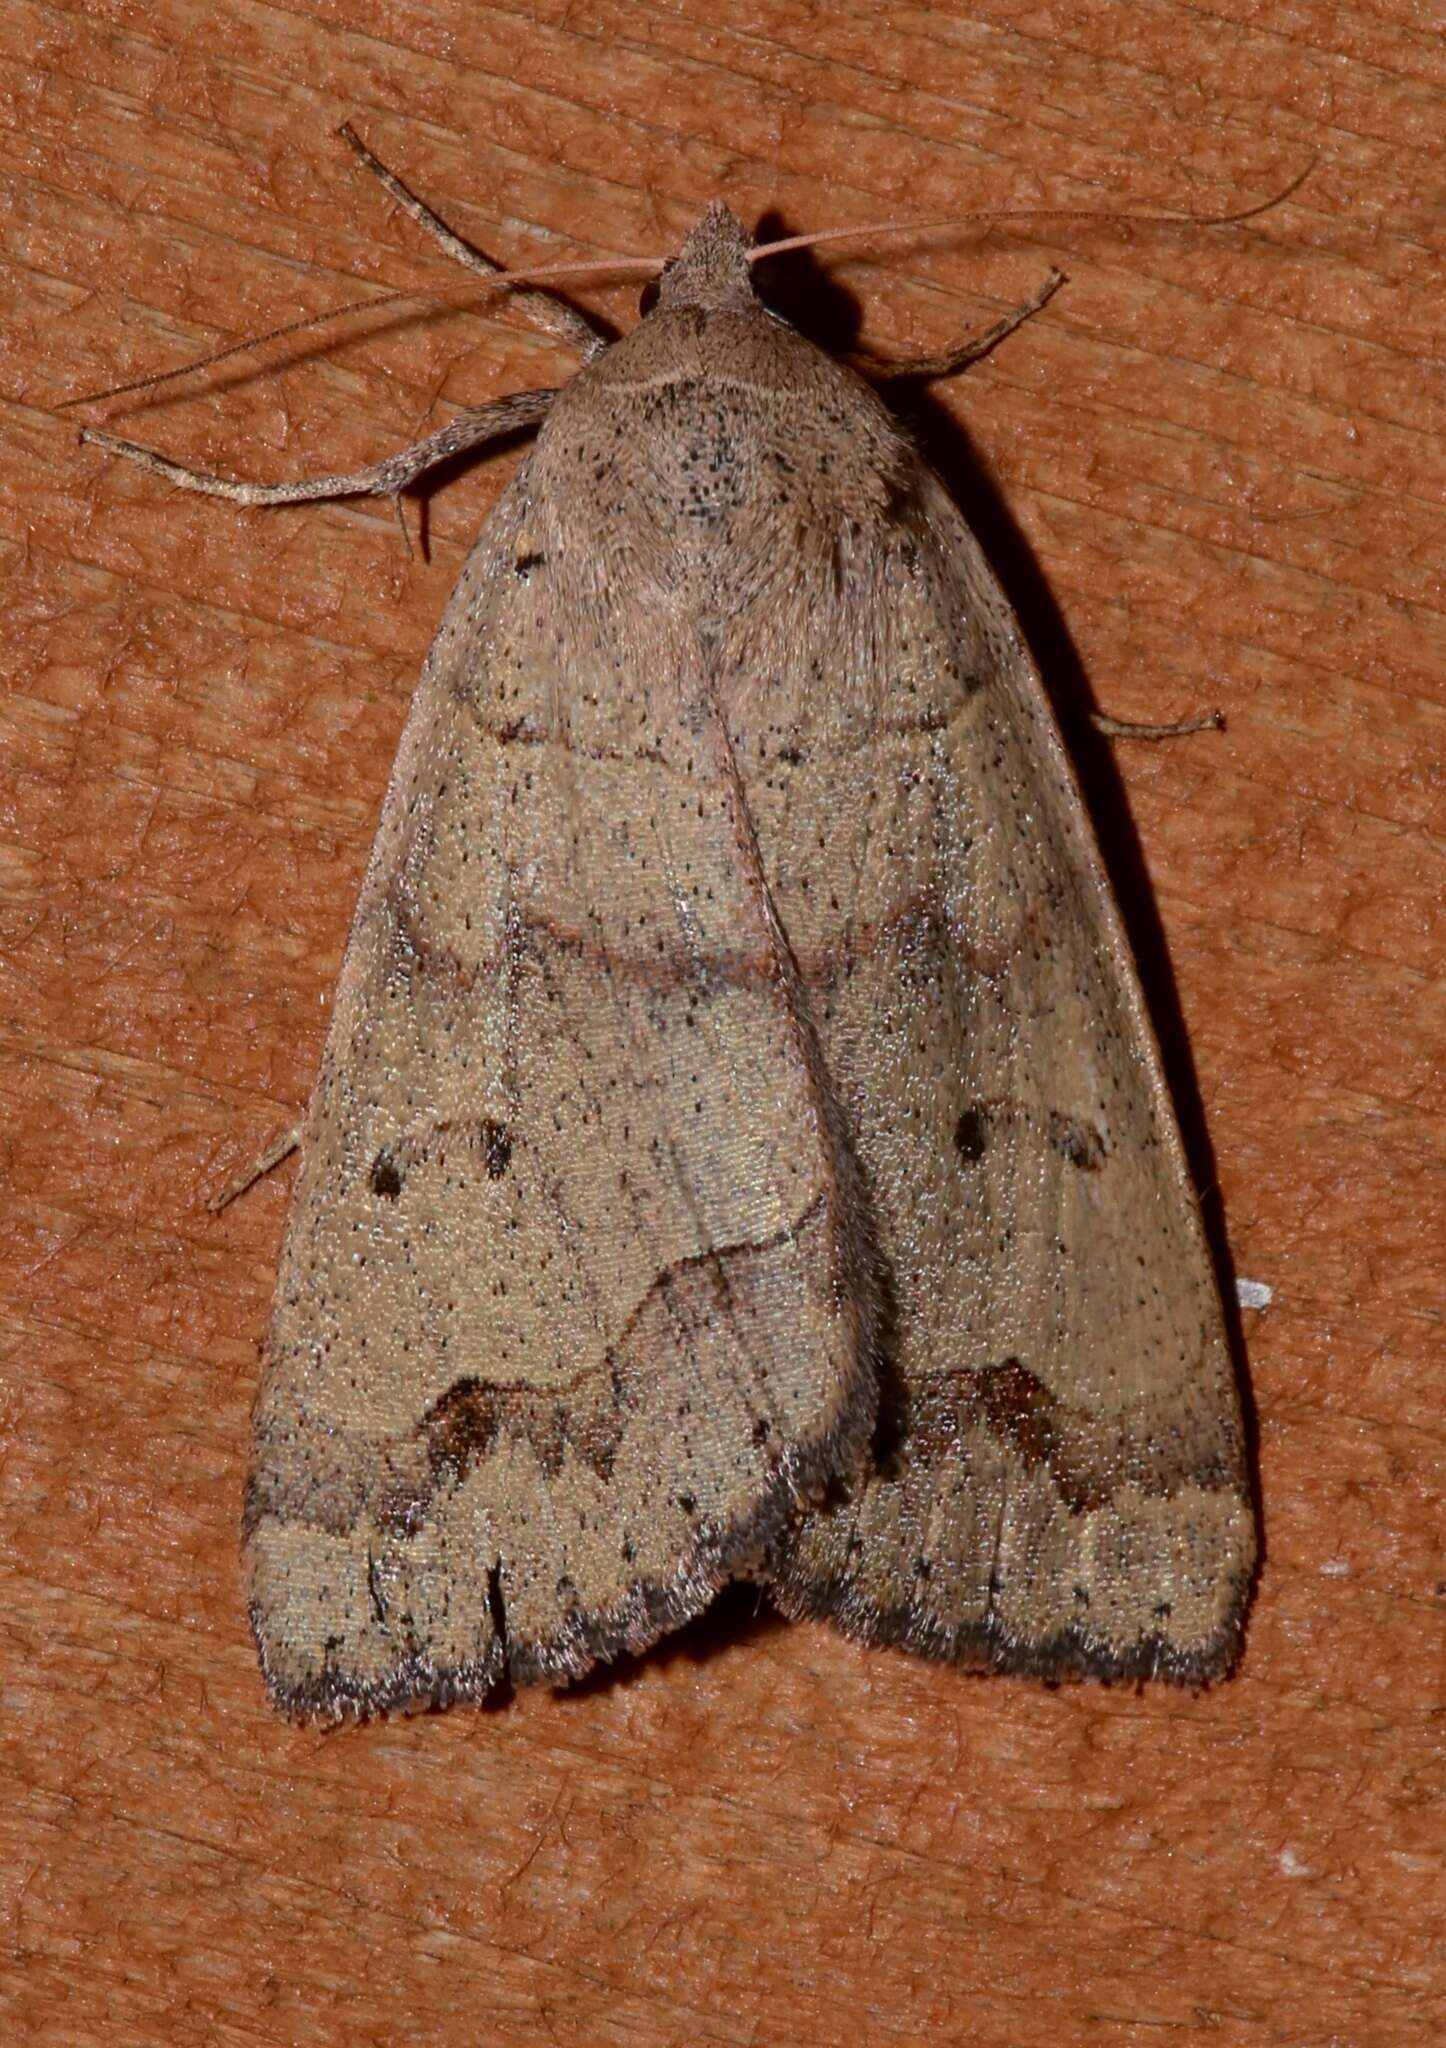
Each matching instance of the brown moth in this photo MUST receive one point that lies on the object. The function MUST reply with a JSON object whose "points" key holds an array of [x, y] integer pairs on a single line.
{"points": [[740, 1147]]}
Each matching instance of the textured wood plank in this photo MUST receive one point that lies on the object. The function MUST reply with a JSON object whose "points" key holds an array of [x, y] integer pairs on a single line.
{"points": [[1210, 474]]}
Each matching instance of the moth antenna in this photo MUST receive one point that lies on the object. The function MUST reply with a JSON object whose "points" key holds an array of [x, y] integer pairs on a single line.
{"points": [[234, 348], [1035, 213], [505, 281]]}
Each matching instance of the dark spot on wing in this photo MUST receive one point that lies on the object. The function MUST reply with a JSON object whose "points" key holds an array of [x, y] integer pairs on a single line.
{"points": [[971, 1133], [497, 1147], [1080, 1143], [1020, 1409], [461, 1427]]}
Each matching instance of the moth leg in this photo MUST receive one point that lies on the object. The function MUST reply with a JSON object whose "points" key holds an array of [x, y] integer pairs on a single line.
{"points": [[383, 480], [280, 1149], [1127, 729], [884, 371], [553, 316]]}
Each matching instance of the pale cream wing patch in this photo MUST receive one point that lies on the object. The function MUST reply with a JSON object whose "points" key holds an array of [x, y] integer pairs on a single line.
{"points": [[1060, 1482], [563, 1327]]}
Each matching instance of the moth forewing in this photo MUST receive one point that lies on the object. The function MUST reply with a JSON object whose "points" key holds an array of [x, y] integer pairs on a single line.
{"points": [[1060, 1483], [575, 1304]]}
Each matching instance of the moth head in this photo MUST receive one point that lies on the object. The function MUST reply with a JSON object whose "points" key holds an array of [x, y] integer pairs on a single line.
{"points": [[711, 270]]}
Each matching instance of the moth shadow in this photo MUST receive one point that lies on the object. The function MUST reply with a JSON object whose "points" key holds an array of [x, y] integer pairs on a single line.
{"points": [[805, 293], [421, 492], [740, 1613]]}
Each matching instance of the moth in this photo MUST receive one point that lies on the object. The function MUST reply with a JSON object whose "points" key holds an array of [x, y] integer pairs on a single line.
{"points": [[740, 1147]]}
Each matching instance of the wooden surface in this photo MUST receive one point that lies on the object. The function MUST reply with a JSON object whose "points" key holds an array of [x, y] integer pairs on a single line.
{"points": [[1211, 474]]}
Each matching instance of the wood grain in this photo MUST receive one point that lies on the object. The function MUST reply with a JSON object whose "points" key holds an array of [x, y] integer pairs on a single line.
{"points": [[1210, 473]]}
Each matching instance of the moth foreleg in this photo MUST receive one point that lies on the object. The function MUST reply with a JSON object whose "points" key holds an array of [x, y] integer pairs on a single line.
{"points": [[553, 316], [279, 1149], [881, 370], [1127, 729], [382, 480]]}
